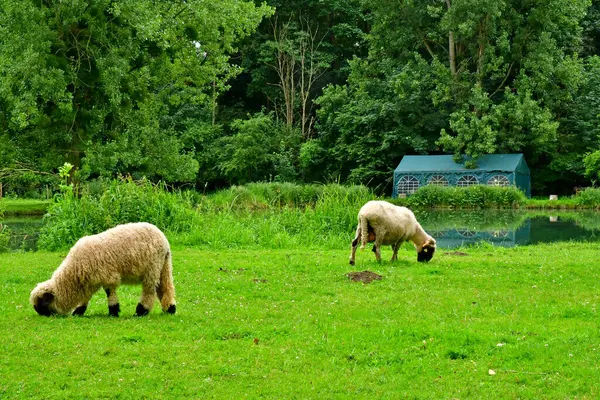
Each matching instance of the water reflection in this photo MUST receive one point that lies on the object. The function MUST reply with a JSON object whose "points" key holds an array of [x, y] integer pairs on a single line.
{"points": [[20, 233], [509, 228]]}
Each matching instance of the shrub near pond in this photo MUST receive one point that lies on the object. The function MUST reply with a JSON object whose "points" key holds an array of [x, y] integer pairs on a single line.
{"points": [[472, 197], [265, 214], [70, 217], [589, 197]]}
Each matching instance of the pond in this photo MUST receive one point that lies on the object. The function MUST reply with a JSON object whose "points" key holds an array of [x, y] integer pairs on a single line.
{"points": [[451, 228], [509, 228], [20, 233]]}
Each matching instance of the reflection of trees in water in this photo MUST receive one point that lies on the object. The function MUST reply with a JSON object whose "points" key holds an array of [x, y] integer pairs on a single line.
{"points": [[471, 220], [511, 226], [500, 222]]}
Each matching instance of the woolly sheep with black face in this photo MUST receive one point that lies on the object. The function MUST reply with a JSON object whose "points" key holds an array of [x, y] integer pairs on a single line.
{"points": [[387, 224], [136, 253]]}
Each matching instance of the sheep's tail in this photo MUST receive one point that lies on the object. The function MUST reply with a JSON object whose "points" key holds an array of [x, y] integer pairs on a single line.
{"points": [[364, 231], [166, 289]]}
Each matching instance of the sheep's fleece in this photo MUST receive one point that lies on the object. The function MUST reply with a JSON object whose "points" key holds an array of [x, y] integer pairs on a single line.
{"points": [[135, 253], [387, 224]]}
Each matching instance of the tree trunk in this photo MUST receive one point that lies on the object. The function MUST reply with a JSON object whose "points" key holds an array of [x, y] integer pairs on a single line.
{"points": [[451, 47]]}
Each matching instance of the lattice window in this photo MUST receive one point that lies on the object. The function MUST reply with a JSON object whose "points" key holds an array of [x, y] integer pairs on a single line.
{"points": [[466, 233], [467, 180], [408, 184], [498, 180], [438, 180], [499, 233]]}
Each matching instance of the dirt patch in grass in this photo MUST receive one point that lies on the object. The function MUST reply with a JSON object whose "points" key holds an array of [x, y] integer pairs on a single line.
{"points": [[364, 276], [456, 253]]}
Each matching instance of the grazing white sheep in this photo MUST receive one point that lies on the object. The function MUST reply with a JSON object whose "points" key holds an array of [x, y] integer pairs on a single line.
{"points": [[387, 224], [136, 253]]}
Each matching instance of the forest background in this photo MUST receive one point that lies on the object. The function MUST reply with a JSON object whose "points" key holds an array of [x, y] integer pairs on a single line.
{"points": [[208, 94]]}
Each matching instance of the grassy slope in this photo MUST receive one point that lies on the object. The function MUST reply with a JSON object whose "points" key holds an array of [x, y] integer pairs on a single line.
{"points": [[424, 331]]}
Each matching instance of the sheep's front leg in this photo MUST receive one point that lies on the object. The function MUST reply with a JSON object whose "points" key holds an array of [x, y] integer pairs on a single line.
{"points": [[147, 300], [395, 248], [113, 301], [80, 310]]}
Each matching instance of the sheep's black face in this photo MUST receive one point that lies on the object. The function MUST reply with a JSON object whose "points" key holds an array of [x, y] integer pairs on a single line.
{"points": [[426, 253], [43, 305]]}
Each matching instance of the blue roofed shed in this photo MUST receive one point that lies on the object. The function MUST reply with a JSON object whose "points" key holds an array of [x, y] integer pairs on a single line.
{"points": [[492, 169]]}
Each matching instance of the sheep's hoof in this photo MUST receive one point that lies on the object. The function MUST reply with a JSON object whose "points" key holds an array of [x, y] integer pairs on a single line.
{"points": [[351, 262], [172, 309], [114, 310], [80, 310], [140, 310]]}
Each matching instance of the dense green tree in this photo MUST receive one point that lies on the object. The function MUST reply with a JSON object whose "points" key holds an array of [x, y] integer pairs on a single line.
{"points": [[488, 76], [90, 82]]}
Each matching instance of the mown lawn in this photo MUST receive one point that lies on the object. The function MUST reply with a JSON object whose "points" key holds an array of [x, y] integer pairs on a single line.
{"points": [[289, 324]]}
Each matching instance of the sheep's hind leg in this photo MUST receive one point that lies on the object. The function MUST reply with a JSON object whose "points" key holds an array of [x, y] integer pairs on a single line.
{"points": [[354, 246], [113, 301], [82, 307], [146, 301]]}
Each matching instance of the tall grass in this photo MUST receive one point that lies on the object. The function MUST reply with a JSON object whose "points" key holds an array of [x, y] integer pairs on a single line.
{"points": [[279, 215], [72, 216], [268, 215]]}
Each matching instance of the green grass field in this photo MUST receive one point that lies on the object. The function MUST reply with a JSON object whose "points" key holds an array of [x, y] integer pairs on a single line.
{"points": [[256, 323]]}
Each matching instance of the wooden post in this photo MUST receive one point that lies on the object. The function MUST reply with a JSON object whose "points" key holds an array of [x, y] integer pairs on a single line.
{"points": [[0, 190]]}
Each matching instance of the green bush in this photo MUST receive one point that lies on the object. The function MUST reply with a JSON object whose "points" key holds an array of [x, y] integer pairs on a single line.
{"points": [[70, 216], [265, 214], [589, 197], [472, 197]]}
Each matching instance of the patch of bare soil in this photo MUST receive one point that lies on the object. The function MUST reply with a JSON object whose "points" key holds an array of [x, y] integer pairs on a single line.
{"points": [[364, 276], [456, 253]]}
